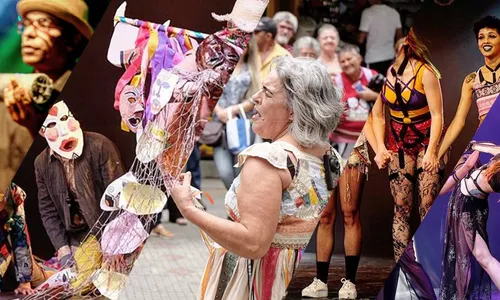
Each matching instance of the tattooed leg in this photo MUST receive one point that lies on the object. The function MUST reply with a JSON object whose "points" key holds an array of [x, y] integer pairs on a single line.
{"points": [[401, 184], [429, 184]]}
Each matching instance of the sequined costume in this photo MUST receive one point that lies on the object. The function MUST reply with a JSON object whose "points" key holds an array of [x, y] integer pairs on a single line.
{"points": [[228, 276], [467, 216]]}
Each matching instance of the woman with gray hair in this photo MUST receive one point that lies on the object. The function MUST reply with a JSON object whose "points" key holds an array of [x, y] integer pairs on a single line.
{"points": [[329, 39], [283, 187], [306, 46]]}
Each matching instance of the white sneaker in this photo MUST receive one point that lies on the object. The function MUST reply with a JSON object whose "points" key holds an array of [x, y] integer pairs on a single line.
{"points": [[348, 290], [317, 289]]}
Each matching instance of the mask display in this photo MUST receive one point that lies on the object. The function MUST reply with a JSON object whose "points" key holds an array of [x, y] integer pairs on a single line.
{"points": [[131, 107], [165, 96], [62, 132], [213, 53]]}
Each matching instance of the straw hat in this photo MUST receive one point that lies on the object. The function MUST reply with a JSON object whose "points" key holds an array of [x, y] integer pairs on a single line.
{"points": [[246, 14], [74, 12]]}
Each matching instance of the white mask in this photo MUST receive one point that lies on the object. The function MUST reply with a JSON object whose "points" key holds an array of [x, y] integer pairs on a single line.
{"points": [[62, 132]]}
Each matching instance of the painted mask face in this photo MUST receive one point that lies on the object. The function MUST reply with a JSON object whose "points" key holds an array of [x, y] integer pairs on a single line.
{"points": [[131, 107], [213, 53], [62, 132]]}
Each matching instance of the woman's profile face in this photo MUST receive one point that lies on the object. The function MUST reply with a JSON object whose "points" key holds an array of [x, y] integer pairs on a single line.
{"points": [[272, 114], [488, 41]]}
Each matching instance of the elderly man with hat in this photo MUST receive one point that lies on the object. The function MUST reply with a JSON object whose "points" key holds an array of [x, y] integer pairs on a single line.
{"points": [[269, 49], [54, 35]]}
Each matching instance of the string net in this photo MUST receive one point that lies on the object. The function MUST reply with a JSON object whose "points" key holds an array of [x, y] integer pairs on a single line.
{"points": [[104, 259]]}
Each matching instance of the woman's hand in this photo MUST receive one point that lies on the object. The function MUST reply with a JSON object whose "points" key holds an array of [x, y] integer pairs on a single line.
{"points": [[224, 113], [430, 163], [24, 288], [367, 94], [116, 263], [383, 158], [182, 194]]}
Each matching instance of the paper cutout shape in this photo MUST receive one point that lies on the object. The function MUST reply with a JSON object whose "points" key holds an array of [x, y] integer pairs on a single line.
{"points": [[111, 196], [109, 283], [152, 142], [88, 259], [123, 235], [140, 199], [60, 278], [162, 90], [123, 38]]}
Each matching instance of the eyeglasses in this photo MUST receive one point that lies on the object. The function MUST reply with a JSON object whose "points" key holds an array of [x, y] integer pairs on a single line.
{"points": [[42, 24]]}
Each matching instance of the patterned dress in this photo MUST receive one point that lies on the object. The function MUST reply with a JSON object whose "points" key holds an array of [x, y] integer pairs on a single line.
{"points": [[228, 276]]}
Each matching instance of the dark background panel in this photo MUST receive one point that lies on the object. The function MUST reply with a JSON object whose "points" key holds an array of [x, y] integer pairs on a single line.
{"points": [[89, 92], [447, 32]]}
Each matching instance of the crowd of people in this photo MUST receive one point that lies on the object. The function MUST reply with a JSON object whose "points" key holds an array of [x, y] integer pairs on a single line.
{"points": [[360, 78], [414, 147]]}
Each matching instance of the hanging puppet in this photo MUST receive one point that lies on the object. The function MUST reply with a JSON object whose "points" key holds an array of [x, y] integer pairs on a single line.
{"points": [[187, 78]]}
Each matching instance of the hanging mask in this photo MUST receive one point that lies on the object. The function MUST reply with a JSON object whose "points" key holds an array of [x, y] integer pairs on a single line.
{"points": [[62, 132], [213, 53], [131, 107]]}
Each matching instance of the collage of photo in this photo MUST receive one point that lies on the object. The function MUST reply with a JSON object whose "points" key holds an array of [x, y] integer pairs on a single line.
{"points": [[249, 149]]}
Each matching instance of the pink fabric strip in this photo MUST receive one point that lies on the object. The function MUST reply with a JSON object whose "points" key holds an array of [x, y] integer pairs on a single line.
{"points": [[135, 65], [269, 262]]}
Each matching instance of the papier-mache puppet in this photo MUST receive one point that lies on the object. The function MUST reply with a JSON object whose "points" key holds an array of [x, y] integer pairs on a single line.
{"points": [[188, 71]]}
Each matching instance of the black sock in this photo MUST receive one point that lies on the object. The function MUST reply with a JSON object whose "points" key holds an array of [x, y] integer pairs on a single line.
{"points": [[322, 270], [351, 267]]}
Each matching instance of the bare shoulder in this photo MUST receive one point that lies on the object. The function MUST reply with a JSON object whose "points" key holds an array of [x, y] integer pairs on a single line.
{"points": [[469, 79], [429, 74]]}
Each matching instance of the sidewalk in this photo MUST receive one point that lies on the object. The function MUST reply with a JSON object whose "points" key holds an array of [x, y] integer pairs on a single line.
{"points": [[171, 268]]}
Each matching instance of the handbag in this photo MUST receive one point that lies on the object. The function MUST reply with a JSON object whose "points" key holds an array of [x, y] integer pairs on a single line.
{"points": [[239, 133], [213, 134]]}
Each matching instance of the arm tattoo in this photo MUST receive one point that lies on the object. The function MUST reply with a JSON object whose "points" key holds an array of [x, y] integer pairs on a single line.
{"points": [[470, 77]]}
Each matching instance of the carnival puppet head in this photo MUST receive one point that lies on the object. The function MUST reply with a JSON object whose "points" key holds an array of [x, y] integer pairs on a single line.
{"points": [[214, 53], [62, 132]]}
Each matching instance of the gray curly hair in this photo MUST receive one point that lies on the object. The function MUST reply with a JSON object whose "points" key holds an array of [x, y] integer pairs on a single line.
{"points": [[306, 42], [316, 103], [287, 17]]}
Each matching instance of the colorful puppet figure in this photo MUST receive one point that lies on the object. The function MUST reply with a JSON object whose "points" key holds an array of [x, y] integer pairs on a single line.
{"points": [[187, 80], [15, 248]]}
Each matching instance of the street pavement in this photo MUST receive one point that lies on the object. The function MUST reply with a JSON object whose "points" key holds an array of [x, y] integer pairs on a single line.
{"points": [[171, 268]]}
